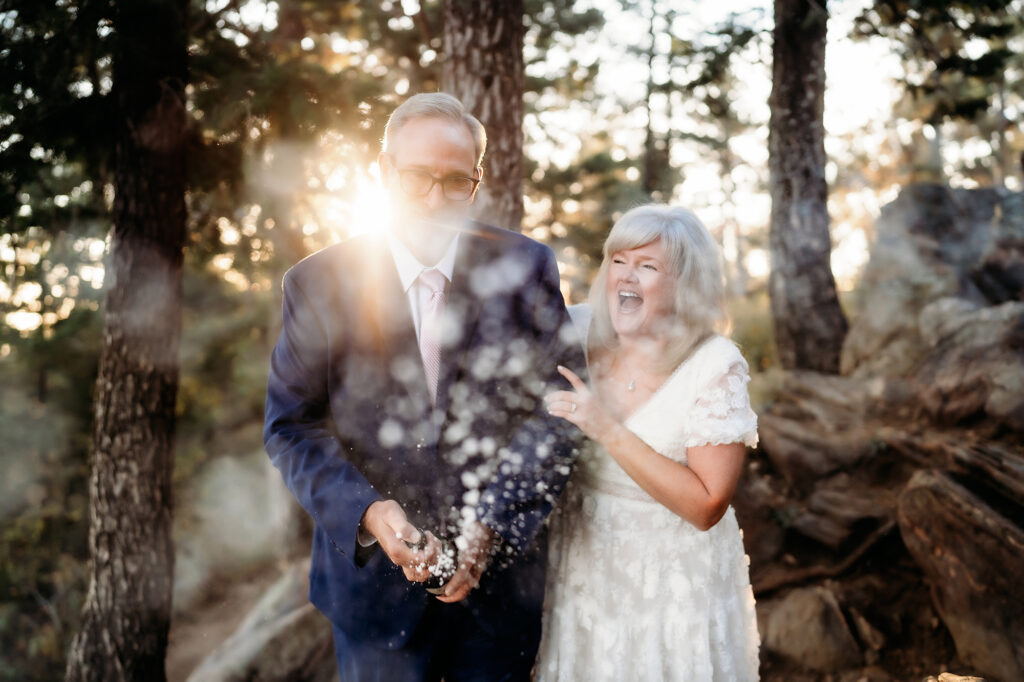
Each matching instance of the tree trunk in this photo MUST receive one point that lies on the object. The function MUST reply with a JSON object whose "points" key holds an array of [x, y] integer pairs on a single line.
{"points": [[1001, 166], [808, 321], [649, 177], [483, 67], [127, 611]]}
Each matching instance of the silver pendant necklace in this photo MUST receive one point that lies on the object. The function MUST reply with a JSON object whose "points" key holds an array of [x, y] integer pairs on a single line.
{"points": [[631, 385]]}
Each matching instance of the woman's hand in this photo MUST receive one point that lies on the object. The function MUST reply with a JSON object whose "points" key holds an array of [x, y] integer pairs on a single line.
{"points": [[580, 407]]}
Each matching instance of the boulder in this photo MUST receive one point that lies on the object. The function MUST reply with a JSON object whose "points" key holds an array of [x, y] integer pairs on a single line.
{"points": [[284, 637], [803, 451], [234, 517], [818, 424], [975, 364], [932, 242], [838, 506], [1000, 275], [932, 377], [969, 554], [807, 627], [871, 673], [942, 305]]}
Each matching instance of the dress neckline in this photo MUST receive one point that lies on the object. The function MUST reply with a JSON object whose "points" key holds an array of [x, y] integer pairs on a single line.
{"points": [[678, 369], [640, 408]]}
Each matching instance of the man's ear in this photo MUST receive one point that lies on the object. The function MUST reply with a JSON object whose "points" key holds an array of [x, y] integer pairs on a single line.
{"points": [[384, 163], [479, 178]]}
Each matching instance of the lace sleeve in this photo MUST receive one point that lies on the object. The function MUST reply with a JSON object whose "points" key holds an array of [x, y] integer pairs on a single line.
{"points": [[721, 412]]}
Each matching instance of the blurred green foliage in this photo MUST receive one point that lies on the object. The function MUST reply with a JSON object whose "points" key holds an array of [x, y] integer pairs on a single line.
{"points": [[268, 92], [271, 87], [751, 321], [963, 66], [45, 421]]}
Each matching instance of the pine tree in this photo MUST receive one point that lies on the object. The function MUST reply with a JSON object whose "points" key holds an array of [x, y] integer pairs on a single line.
{"points": [[128, 609], [808, 322], [962, 68], [483, 67]]}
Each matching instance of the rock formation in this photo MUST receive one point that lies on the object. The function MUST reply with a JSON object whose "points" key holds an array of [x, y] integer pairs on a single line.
{"points": [[909, 467]]}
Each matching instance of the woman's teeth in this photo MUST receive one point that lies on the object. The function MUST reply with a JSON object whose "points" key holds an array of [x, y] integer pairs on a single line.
{"points": [[629, 301]]}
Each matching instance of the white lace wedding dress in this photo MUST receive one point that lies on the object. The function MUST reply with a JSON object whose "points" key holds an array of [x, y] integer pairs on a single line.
{"points": [[634, 592]]}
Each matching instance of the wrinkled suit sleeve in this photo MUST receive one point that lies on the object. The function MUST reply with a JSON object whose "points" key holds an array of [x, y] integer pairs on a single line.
{"points": [[298, 432]]}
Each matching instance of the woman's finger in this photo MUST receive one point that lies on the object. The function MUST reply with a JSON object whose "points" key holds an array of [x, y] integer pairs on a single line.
{"points": [[562, 401], [576, 382], [564, 411], [559, 397]]}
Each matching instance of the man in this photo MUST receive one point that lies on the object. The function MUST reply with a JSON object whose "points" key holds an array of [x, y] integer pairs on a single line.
{"points": [[404, 409]]}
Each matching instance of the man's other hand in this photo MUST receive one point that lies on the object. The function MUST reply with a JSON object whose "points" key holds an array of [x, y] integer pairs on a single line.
{"points": [[475, 545]]}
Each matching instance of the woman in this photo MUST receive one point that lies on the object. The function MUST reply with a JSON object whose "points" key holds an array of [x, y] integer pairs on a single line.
{"points": [[647, 578]]}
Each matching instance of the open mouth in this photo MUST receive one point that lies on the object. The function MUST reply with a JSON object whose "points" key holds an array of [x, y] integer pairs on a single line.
{"points": [[630, 301]]}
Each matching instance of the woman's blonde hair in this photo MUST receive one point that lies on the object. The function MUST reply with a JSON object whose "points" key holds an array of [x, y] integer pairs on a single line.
{"points": [[694, 259]]}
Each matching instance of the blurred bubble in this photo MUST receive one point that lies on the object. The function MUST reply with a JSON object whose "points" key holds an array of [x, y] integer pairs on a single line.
{"points": [[390, 433], [458, 431], [405, 369], [506, 274]]}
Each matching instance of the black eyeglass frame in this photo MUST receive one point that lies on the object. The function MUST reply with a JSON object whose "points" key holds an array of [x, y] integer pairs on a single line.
{"points": [[434, 180]]}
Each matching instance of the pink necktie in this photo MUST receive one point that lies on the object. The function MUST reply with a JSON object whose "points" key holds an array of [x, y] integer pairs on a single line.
{"points": [[432, 300]]}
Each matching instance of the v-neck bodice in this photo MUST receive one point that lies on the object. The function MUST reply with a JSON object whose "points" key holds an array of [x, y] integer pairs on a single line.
{"points": [[703, 401]]}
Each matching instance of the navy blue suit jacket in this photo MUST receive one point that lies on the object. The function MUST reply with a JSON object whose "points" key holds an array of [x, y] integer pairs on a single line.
{"points": [[349, 421]]}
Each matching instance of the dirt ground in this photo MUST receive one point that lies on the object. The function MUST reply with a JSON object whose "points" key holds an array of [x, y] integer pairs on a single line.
{"points": [[197, 632]]}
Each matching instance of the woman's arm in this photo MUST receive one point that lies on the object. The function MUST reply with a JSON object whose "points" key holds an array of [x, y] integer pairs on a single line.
{"points": [[699, 491]]}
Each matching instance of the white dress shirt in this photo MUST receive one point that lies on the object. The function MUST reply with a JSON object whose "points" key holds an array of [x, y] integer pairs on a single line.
{"points": [[409, 269]]}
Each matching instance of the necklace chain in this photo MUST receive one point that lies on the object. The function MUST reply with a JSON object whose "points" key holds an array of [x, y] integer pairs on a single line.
{"points": [[631, 386]]}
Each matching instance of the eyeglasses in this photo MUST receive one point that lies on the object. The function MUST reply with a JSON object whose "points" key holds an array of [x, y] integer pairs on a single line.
{"points": [[419, 183]]}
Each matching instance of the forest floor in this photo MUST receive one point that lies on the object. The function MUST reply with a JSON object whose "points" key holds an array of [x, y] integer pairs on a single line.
{"points": [[195, 633]]}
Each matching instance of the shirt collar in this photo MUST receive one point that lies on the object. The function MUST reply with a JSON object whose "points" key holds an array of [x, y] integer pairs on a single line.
{"points": [[409, 268]]}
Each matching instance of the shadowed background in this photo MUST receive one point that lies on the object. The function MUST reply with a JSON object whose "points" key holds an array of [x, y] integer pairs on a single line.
{"points": [[905, 447]]}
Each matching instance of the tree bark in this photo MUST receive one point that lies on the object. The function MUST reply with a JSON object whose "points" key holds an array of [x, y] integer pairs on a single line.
{"points": [[808, 321], [649, 177], [127, 611], [483, 67]]}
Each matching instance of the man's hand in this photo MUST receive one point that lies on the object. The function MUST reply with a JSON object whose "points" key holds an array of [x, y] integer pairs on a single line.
{"points": [[475, 545], [386, 521]]}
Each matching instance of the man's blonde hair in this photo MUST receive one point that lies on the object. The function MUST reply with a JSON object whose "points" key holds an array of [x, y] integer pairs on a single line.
{"points": [[435, 105]]}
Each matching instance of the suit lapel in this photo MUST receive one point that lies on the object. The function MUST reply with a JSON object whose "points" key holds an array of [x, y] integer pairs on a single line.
{"points": [[386, 308], [464, 305]]}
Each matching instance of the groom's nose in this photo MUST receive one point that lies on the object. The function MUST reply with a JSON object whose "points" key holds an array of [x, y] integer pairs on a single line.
{"points": [[435, 198]]}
